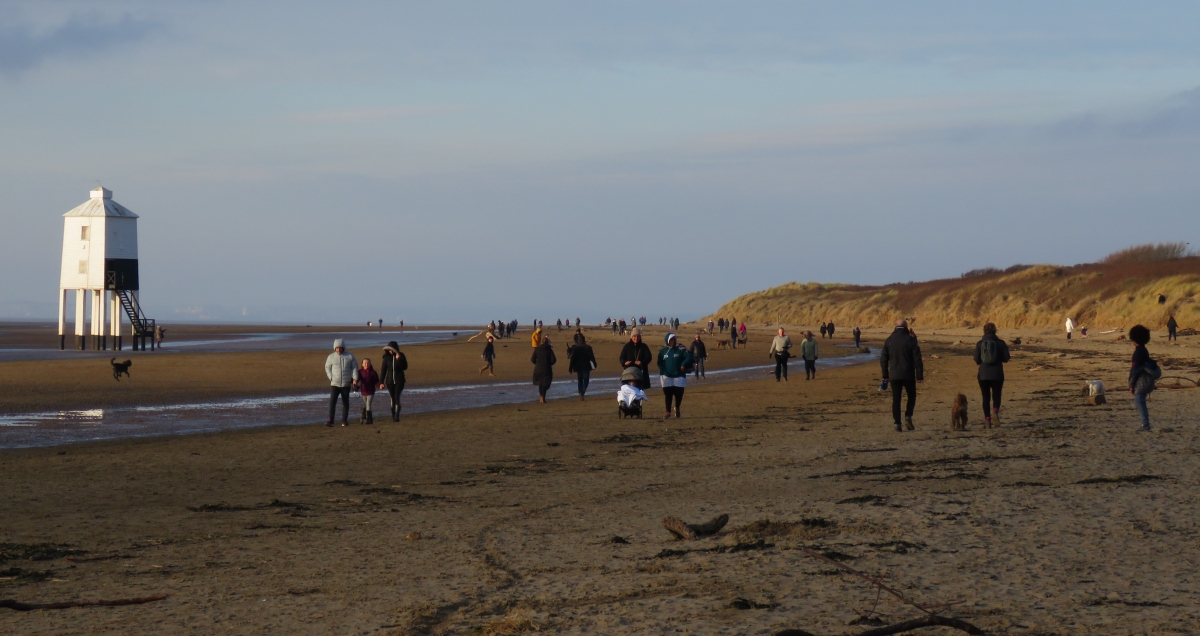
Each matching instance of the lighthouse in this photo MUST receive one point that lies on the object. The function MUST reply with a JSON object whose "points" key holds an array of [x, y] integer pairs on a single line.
{"points": [[100, 264]]}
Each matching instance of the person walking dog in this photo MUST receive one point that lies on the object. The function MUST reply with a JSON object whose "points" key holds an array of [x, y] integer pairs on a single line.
{"points": [[342, 370], [780, 346], [903, 367], [990, 354]]}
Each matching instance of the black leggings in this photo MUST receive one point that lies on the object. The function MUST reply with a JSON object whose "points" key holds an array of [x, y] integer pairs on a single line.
{"points": [[394, 391], [673, 393], [344, 392], [909, 386], [543, 387], [991, 395], [781, 365]]}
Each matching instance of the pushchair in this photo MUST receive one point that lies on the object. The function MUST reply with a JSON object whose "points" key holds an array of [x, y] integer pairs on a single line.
{"points": [[634, 408]]}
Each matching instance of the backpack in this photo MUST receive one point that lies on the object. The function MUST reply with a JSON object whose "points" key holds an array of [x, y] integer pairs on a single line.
{"points": [[1153, 370], [988, 353]]}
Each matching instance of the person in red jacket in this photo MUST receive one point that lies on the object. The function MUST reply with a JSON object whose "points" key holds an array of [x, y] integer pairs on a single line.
{"points": [[368, 380]]}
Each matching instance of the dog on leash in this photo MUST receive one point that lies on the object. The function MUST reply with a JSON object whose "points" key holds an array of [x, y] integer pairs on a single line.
{"points": [[958, 413], [722, 344], [119, 368]]}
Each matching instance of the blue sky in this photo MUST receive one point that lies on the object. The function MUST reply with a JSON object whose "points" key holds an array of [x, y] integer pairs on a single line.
{"points": [[462, 161]]}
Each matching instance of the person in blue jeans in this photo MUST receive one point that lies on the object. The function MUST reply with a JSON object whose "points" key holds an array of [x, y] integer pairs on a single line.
{"points": [[1142, 373]]}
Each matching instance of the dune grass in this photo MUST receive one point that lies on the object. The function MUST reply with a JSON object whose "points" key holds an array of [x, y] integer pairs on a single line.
{"points": [[1101, 295]]}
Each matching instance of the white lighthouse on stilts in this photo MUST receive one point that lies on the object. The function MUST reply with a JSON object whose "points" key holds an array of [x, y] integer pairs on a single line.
{"points": [[100, 264]]}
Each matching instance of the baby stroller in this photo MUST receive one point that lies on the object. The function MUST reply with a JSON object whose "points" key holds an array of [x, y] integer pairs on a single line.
{"points": [[634, 408]]}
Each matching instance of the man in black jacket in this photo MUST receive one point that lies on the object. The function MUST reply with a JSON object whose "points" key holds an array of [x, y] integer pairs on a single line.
{"points": [[902, 366], [699, 354]]}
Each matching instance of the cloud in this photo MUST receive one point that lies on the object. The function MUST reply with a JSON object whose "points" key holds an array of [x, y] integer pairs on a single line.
{"points": [[362, 115], [22, 48]]}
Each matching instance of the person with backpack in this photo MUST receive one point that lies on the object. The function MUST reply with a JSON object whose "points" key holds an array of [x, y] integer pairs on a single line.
{"points": [[1143, 373], [391, 375], [581, 360], [674, 362], [808, 351], [1172, 327], [699, 353], [903, 368], [991, 353]]}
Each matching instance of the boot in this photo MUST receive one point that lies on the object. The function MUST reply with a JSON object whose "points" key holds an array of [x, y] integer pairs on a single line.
{"points": [[908, 423], [362, 416], [370, 418]]}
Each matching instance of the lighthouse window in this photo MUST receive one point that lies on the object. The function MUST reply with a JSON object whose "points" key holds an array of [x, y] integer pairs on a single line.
{"points": [[82, 267], [84, 233]]}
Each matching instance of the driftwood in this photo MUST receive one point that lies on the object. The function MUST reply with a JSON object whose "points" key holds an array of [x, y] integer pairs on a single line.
{"points": [[682, 530], [29, 607], [929, 620]]}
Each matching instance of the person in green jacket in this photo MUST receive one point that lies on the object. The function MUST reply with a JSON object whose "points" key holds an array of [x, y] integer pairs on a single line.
{"points": [[808, 351], [674, 363]]}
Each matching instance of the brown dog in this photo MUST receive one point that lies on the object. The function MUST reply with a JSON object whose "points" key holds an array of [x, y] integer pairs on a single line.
{"points": [[722, 344], [958, 413]]}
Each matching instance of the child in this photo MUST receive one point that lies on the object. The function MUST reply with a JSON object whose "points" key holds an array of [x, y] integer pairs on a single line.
{"points": [[629, 392], [367, 381], [1143, 373], [489, 354]]}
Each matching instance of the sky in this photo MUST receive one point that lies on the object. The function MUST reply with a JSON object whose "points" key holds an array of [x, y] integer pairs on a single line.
{"points": [[450, 162]]}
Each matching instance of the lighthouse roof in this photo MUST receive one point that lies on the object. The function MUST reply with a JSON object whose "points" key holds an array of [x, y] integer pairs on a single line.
{"points": [[101, 204]]}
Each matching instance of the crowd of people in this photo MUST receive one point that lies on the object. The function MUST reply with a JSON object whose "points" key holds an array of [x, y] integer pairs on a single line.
{"points": [[900, 360]]}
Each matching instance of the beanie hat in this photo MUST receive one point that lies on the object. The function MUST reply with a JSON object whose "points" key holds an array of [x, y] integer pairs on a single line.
{"points": [[668, 337], [339, 344]]}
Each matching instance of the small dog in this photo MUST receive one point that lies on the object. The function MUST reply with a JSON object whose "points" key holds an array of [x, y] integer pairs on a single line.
{"points": [[958, 413], [119, 368], [722, 344]]}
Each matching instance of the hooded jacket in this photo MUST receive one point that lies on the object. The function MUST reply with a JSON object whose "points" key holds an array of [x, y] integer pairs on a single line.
{"points": [[393, 365], [808, 348], [543, 360], [993, 372], [341, 369], [901, 357], [674, 362]]}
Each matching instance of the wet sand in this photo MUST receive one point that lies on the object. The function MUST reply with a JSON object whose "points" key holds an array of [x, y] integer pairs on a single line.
{"points": [[1064, 520]]}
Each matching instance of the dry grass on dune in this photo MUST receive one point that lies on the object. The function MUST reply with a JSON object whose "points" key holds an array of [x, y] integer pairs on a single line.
{"points": [[1116, 294]]}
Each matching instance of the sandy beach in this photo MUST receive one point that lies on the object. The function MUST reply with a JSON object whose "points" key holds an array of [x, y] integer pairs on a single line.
{"points": [[529, 517]]}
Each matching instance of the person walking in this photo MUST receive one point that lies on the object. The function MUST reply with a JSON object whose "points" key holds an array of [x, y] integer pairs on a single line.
{"points": [[903, 367], [857, 337], [991, 353], [742, 333], [391, 375], [342, 370], [1142, 374], [581, 360], [637, 354], [808, 351], [543, 367], [824, 329], [1070, 327], [831, 328], [368, 381], [780, 346], [711, 324], [489, 355], [1172, 327], [536, 338], [674, 362], [699, 353]]}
